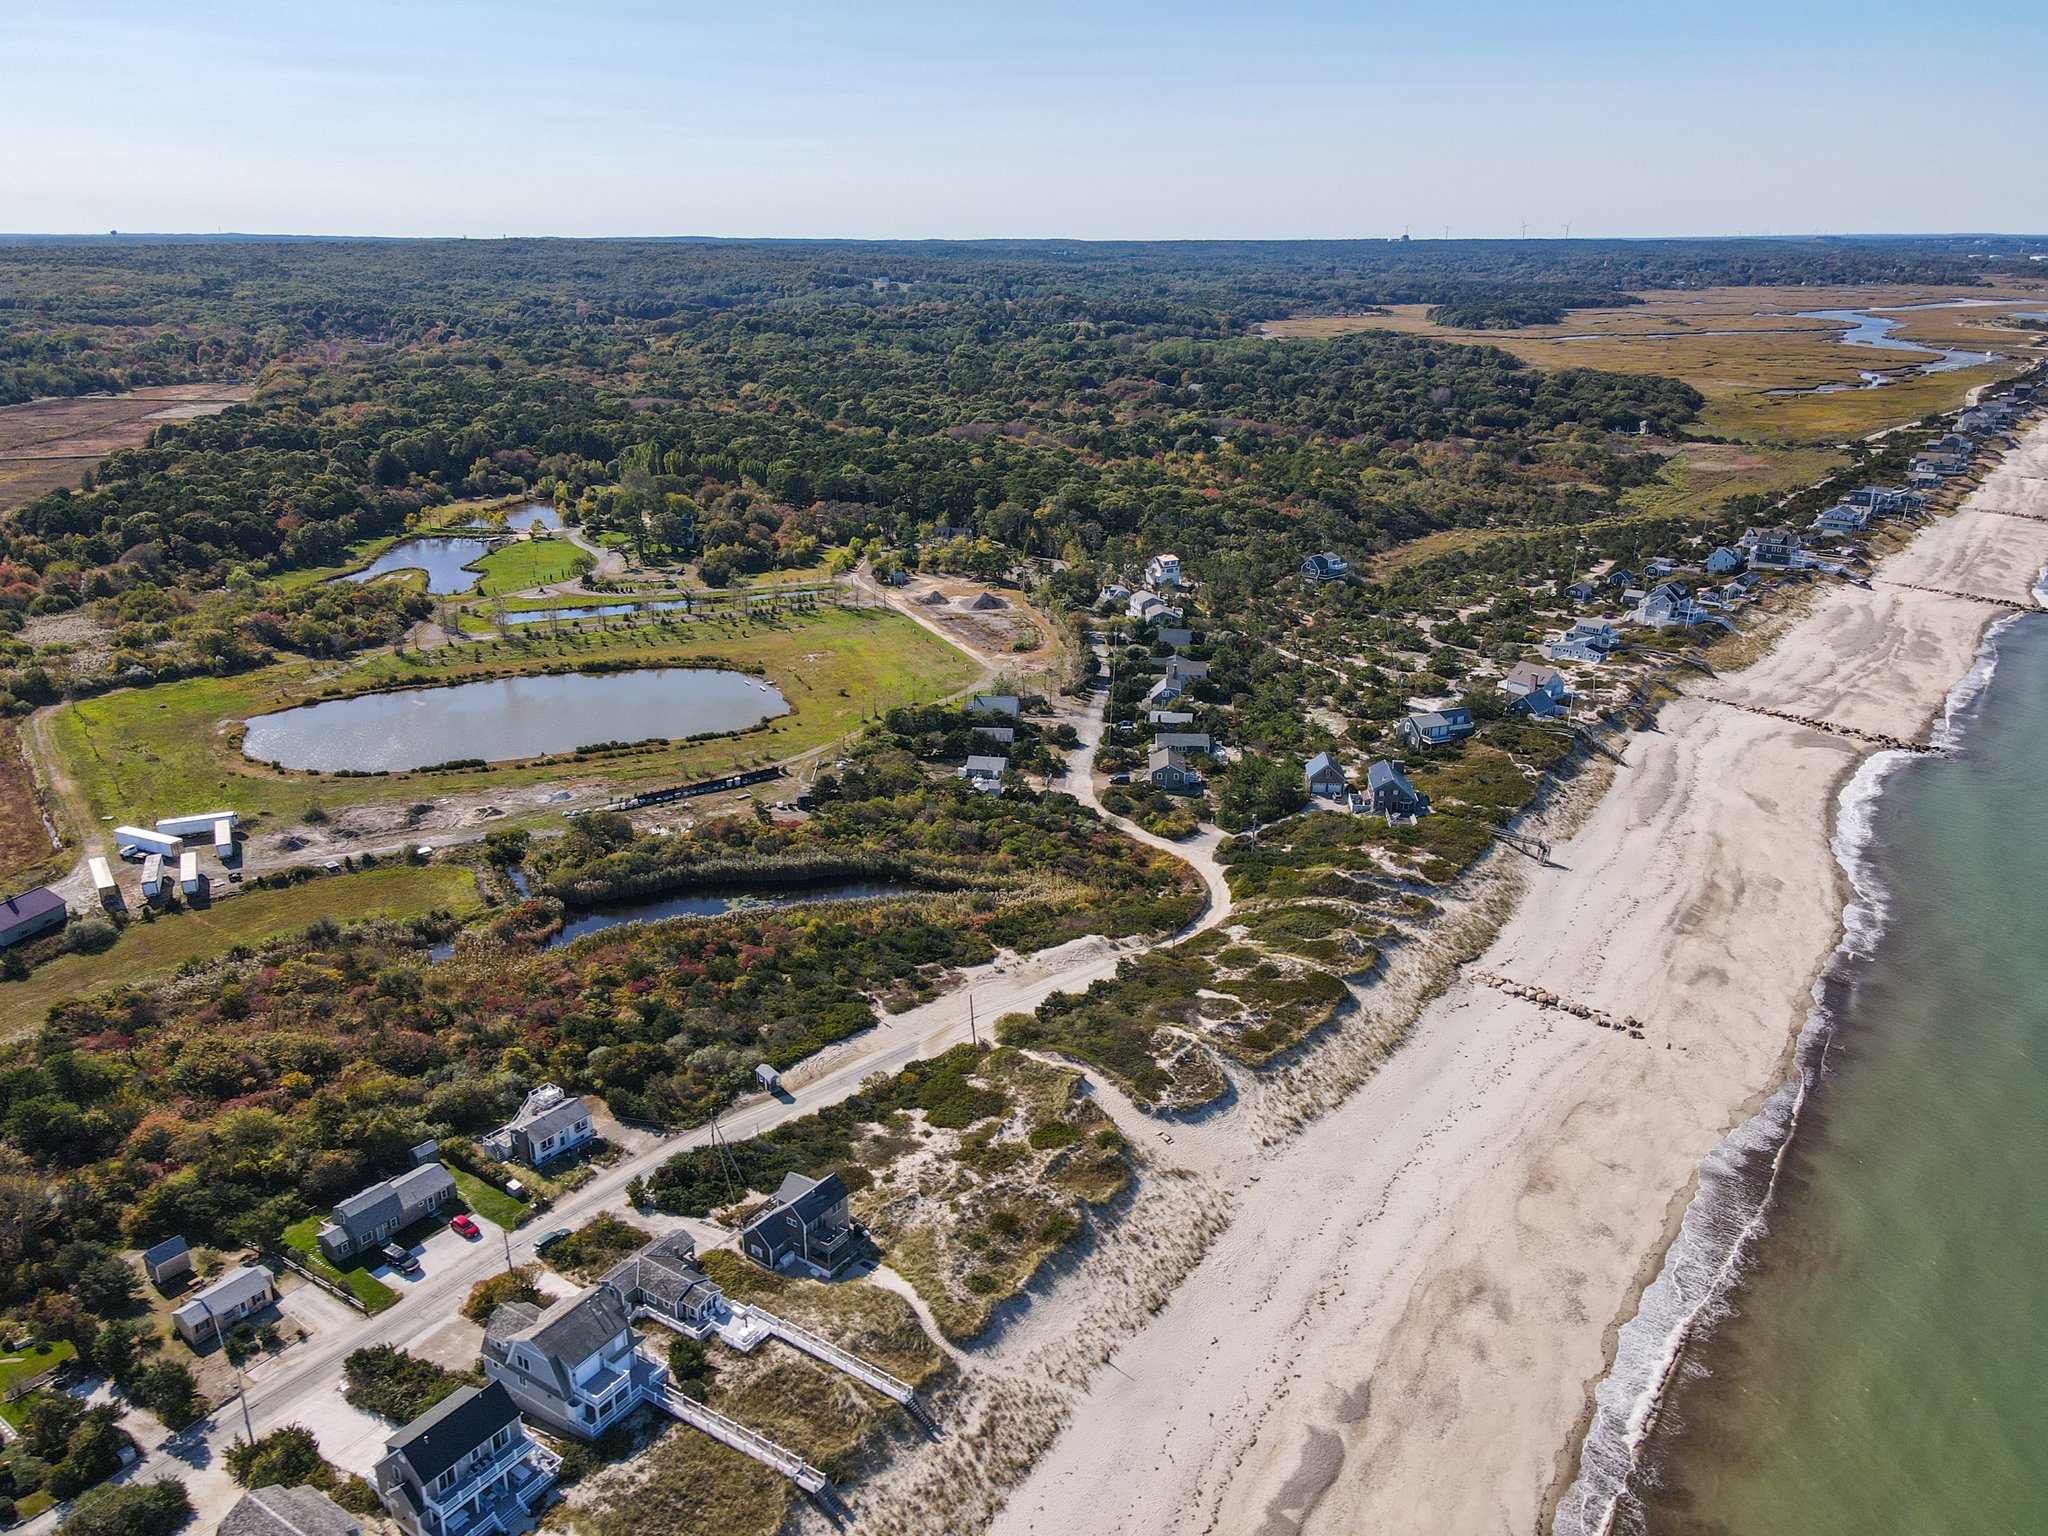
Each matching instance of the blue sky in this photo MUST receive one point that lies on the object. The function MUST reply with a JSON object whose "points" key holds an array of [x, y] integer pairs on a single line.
{"points": [[1265, 118]]}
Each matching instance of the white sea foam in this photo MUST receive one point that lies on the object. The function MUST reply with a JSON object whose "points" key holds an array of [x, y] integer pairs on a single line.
{"points": [[1739, 1177]]}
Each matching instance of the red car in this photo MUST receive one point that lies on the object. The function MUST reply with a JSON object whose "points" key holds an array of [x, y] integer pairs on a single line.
{"points": [[466, 1225]]}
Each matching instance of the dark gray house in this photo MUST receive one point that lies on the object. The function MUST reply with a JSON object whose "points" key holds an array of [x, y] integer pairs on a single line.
{"points": [[32, 912], [550, 1124], [809, 1222], [362, 1221], [466, 1467], [1387, 786], [1437, 727], [1324, 779]]}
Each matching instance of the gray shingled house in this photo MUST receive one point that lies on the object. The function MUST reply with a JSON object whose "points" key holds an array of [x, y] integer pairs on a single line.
{"points": [[664, 1281], [281, 1511], [576, 1367], [364, 1220]]}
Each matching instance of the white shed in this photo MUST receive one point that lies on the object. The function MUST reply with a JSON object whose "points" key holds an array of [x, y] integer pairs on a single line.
{"points": [[195, 826], [190, 881], [147, 841]]}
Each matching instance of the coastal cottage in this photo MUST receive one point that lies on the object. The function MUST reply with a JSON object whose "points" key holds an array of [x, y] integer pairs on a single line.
{"points": [[1669, 606], [454, 1470], [994, 704], [1724, 560], [1581, 592], [1175, 636], [1167, 768], [576, 1367], [1186, 666], [663, 1281], [212, 1311], [983, 769], [809, 1222], [550, 1124], [997, 735], [1323, 779], [1166, 689], [365, 1220], [1426, 728], [1590, 641], [1844, 517], [1325, 567], [1539, 690], [1390, 793], [1162, 571], [1169, 717], [1183, 741]]}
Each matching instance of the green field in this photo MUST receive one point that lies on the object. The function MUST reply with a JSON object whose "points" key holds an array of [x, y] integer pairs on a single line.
{"points": [[127, 755], [492, 1204], [529, 563], [360, 1283], [252, 917]]}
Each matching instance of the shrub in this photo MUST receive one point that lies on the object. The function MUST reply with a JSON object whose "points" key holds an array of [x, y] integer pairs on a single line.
{"points": [[394, 1385], [289, 1456], [486, 1296], [134, 1509]]}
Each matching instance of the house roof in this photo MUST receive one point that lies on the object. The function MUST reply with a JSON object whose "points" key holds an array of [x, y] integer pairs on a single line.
{"points": [[452, 1428], [1384, 775], [280, 1511], [170, 1248], [1319, 765], [232, 1289], [1166, 757], [810, 1198], [392, 1196], [29, 905], [558, 1118], [567, 1333], [666, 1270], [1528, 674], [980, 766]]}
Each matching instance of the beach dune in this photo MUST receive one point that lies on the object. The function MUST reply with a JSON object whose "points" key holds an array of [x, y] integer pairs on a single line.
{"points": [[1402, 1328]]}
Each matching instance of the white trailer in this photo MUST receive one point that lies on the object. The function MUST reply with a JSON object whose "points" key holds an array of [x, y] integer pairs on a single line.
{"points": [[224, 840], [195, 826], [144, 841], [153, 876], [103, 881], [190, 881]]}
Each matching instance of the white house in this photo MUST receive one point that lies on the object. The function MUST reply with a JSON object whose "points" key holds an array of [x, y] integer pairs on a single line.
{"points": [[1590, 641], [549, 1125], [1844, 517], [1163, 571], [1724, 560]]}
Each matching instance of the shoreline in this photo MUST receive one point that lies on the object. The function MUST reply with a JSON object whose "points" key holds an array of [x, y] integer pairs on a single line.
{"points": [[1864, 925], [1413, 1340]]}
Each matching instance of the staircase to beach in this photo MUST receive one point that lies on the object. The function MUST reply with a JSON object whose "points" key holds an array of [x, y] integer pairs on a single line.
{"points": [[747, 1442], [845, 1360]]}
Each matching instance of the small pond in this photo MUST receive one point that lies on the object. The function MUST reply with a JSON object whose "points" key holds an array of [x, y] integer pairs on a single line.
{"points": [[711, 903], [446, 560], [508, 717]]}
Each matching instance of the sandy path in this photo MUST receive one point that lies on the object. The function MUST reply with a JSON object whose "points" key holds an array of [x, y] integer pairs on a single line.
{"points": [[1400, 1329]]}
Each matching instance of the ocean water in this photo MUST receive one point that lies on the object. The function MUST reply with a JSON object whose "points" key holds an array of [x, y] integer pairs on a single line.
{"points": [[1874, 1358]]}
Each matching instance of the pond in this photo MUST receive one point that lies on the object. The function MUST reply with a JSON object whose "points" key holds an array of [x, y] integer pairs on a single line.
{"points": [[712, 903], [446, 560], [519, 519], [507, 718]]}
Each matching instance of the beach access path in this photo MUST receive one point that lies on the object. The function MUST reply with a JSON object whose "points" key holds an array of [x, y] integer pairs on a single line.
{"points": [[1401, 1331]]}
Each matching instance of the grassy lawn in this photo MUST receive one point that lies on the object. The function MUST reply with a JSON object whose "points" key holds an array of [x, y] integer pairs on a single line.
{"points": [[132, 753], [145, 949], [492, 1204], [364, 1286], [1700, 476], [530, 563], [31, 1362]]}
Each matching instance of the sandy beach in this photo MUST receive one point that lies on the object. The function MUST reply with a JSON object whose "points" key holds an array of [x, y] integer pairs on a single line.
{"points": [[1401, 1327]]}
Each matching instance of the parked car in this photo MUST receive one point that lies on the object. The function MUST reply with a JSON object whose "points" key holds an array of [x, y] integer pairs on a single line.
{"points": [[1119, 778], [548, 1240], [401, 1259], [466, 1225]]}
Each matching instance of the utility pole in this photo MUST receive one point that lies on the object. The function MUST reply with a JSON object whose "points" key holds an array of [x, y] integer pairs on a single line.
{"points": [[973, 1031]]}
